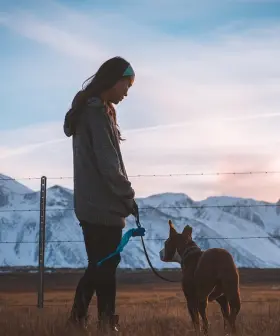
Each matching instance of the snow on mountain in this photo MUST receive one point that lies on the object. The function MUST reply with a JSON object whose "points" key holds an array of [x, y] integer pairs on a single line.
{"points": [[10, 190], [212, 226]]}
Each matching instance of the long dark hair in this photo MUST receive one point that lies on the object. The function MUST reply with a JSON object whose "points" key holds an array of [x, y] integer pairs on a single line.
{"points": [[105, 78]]}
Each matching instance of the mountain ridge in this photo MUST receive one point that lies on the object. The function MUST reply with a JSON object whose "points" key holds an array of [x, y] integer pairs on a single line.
{"points": [[215, 220]]}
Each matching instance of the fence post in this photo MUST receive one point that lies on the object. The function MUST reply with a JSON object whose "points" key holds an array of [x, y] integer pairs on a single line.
{"points": [[42, 231]]}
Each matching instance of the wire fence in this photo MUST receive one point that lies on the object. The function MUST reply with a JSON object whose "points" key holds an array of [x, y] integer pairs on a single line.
{"points": [[45, 209], [153, 175], [152, 208], [147, 239]]}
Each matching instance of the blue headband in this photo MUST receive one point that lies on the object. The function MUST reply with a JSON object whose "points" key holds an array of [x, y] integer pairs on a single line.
{"points": [[129, 71]]}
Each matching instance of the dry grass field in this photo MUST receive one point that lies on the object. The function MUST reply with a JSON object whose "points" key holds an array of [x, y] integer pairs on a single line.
{"points": [[146, 305]]}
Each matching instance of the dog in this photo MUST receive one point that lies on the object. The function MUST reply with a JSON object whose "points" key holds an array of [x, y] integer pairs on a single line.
{"points": [[206, 276]]}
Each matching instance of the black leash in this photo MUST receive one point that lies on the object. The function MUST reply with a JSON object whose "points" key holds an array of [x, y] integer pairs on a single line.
{"points": [[147, 256]]}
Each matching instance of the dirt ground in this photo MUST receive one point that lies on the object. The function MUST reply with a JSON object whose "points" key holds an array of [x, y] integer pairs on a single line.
{"points": [[146, 305]]}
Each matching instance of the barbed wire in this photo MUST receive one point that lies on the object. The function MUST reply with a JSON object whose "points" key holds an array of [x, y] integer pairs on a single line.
{"points": [[152, 175], [161, 207], [147, 239], [152, 208]]}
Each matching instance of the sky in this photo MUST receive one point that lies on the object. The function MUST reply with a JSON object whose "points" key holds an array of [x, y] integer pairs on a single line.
{"points": [[206, 97]]}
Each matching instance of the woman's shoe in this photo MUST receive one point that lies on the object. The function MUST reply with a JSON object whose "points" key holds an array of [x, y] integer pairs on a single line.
{"points": [[109, 324]]}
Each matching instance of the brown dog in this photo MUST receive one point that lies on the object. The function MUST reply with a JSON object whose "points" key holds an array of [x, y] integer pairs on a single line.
{"points": [[207, 276]]}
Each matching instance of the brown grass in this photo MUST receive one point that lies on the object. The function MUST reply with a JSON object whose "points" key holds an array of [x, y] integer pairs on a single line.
{"points": [[144, 309]]}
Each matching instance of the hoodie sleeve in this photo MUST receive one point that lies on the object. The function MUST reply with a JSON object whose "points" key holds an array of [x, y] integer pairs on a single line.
{"points": [[106, 154]]}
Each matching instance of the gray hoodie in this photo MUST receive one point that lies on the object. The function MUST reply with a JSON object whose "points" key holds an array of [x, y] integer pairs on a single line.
{"points": [[102, 191]]}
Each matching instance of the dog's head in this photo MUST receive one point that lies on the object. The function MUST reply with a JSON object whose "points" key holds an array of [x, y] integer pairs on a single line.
{"points": [[176, 243]]}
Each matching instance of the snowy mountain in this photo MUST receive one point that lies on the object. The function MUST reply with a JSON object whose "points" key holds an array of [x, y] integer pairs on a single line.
{"points": [[212, 225]]}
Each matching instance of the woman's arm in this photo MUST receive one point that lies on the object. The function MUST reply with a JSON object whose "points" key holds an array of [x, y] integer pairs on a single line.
{"points": [[106, 154]]}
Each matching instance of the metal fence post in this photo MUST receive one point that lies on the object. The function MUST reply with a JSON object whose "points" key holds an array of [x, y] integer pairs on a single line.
{"points": [[42, 231]]}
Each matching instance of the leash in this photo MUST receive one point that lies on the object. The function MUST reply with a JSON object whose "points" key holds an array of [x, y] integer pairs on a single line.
{"points": [[137, 220], [140, 231]]}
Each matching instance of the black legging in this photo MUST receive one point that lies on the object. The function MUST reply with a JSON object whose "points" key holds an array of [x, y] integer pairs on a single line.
{"points": [[100, 241]]}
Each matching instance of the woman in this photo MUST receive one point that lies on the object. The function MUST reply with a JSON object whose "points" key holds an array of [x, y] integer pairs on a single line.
{"points": [[103, 196]]}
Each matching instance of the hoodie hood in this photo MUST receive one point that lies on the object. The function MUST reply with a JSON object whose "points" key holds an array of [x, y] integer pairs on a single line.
{"points": [[72, 116], [68, 122]]}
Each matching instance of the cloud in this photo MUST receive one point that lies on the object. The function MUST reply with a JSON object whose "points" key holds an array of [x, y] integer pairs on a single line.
{"points": [[161, 150], [235, 73], [54, 37]]}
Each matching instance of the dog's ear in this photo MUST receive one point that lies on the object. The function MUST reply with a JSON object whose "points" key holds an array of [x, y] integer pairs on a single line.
{"points": [[187, 232], [172, 229]]}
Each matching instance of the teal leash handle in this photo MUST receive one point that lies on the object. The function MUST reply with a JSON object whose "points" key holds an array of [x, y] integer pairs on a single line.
{"points": [[140, 231]]}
